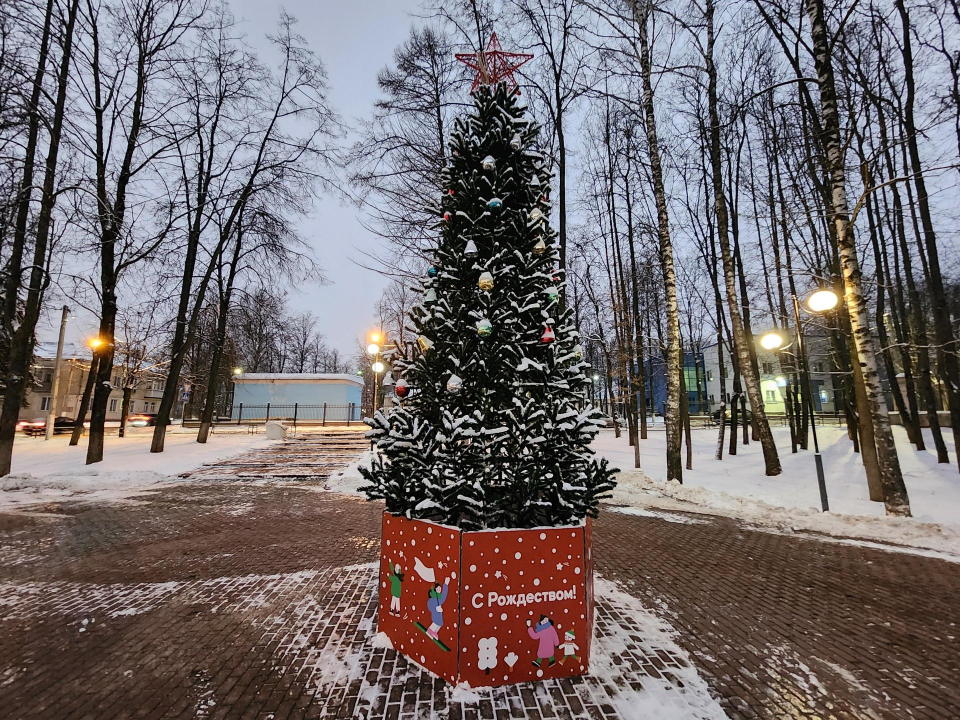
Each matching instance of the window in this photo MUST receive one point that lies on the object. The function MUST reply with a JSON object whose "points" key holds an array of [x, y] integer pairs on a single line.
{"points": [[113, 404], [149, 407], [767, 368], [48, 378], [45, 403], [156, 385], [771, 396], [711, 400], [117, 381], [818, 367]]}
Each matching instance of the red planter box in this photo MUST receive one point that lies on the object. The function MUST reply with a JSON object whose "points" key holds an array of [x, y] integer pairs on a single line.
{"points": [[488, 607]]}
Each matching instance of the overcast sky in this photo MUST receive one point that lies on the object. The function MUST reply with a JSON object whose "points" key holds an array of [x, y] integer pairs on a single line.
{"points": [[354, 40]]}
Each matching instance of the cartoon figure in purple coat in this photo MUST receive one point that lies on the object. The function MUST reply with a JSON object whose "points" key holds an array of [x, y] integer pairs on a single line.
{"points": [[546, 635], [438, 595]]}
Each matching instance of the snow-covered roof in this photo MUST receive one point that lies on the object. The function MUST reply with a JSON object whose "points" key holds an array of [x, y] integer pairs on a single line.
{"points": [[71, 351], [298, 377]]}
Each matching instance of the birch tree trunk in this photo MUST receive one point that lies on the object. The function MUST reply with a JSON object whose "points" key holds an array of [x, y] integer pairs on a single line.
{"points": [[895, 496], [641, 12], [750, 380]]}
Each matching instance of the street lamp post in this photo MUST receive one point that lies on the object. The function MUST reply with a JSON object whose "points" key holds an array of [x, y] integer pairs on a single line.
{"points": [[819, 302]]}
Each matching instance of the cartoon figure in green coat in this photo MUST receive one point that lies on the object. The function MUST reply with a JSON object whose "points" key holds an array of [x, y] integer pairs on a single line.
{"points": [[395, 574]]}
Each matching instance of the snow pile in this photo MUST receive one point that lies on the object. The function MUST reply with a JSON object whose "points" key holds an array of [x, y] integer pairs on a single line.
{"points": [[737, 487], [349, 480]]}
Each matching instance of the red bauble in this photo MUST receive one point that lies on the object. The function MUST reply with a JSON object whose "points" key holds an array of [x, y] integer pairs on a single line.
{"points": [[401, 389], [450, 191], [446, 216], [548, 336]]}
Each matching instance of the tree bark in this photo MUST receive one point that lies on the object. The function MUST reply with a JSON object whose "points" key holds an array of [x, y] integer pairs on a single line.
{"points": [[84, 401], [948, 348], [672, 416], [896, 500], [750, 379]]}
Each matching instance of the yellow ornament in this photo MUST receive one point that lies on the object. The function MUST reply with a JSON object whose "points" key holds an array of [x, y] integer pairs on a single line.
{"points": [[486, 282]]}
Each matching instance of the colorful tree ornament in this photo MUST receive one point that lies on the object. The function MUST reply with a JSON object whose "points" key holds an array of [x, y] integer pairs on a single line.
{"points": [[578, 351], [430, 296], [425, 343], [536, 214], [484, 328], [495, 203], [454, 384], [552, 294], [446, 216], [540, 248], [515, 141], [450, 191], [471, 249], [431, 271], [401, 389], [488, 163], [486, 281], [548, 336]]}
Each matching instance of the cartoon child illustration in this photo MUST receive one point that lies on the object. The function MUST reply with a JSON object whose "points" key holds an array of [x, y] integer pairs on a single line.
{"points": [[435, 605], [569, 647], [395, 574], [546, 634]]}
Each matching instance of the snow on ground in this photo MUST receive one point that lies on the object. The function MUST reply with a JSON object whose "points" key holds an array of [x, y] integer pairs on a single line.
{"points": [[51, 471], [737, 486], [349, 480]]}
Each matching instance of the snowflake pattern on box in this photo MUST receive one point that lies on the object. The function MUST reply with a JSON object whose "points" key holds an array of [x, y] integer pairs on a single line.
{"points": [[495, 426]]}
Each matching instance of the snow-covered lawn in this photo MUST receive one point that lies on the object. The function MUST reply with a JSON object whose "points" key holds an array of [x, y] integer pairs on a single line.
{"points": [[49, 471], [737, 486]]}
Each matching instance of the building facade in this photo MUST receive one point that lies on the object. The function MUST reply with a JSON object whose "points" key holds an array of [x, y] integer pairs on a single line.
{"points": [[773, 377], [74, 369], [332, 397]]}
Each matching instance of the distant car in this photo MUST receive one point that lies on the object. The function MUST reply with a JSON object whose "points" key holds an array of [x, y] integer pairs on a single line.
{"points": [[142, 420], [740, 416], [38, 426]]}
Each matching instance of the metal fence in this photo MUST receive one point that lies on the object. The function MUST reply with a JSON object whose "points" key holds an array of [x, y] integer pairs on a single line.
{"points": [[325, 414]]}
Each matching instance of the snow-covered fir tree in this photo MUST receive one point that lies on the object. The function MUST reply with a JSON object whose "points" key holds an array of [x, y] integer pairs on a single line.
{"points": [[495, 427]]}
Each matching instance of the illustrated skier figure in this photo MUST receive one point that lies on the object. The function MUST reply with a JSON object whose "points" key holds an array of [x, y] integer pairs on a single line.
{"points": [[546, 634], [569, 647], [395, 574], [438, 596]]}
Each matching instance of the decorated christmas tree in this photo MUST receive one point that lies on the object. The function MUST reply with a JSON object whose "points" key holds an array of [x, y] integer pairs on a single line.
{"points": [[493, 426]]}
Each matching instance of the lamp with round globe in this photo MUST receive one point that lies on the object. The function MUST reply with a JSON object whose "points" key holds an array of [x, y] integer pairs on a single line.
{"points": [[772, 340], [823, 300]]}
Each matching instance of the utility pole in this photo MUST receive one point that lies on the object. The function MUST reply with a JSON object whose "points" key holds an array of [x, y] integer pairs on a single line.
{"points": [[55, 385]]}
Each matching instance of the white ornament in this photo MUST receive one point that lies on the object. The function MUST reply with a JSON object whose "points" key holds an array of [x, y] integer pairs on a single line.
{"points": [[471, 249], [515, 142], [454, 384], [489, 163], [536, 214]]}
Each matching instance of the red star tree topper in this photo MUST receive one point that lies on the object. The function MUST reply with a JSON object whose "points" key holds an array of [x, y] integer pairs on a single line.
{"points": [[493, 64]]}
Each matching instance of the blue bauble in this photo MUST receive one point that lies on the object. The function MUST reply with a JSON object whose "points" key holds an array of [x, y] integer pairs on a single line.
{"points": [[495, 203], [432, 272]]}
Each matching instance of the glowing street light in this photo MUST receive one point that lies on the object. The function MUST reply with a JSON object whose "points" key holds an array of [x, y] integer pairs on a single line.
{"points": [[373, 349], [95, 343], [771, 340], [378, 367], [238, 371], [595, 377], [822, 301]]}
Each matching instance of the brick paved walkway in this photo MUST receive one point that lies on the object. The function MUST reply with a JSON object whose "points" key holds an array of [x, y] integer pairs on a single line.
{"points": [[236, 600]]}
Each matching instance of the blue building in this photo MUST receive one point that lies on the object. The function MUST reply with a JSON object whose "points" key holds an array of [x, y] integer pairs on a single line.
{"points": [[693, 374], [308, 397]]}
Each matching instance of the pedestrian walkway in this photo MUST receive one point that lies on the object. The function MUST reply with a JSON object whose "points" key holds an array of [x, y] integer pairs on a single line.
{"points": [[257, 600]]}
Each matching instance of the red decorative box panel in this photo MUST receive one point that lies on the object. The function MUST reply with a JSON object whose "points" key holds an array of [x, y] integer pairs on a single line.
{"points": [[420, 601], [518, 605]]}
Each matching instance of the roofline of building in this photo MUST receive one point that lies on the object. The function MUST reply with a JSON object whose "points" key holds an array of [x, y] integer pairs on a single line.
{"points": [[298, 377]]}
